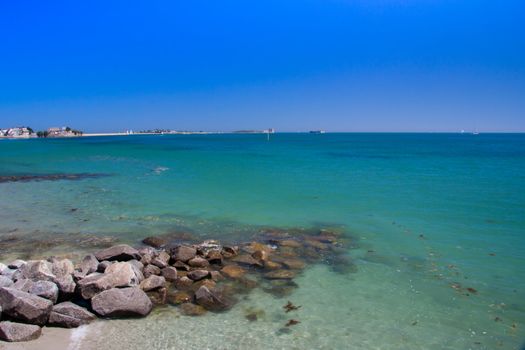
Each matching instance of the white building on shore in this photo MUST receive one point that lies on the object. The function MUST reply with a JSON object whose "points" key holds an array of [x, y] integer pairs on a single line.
{"points": [[18, 132]]}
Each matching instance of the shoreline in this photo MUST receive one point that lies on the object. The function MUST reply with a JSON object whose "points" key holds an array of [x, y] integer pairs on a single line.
{"points": [[123, 282]]}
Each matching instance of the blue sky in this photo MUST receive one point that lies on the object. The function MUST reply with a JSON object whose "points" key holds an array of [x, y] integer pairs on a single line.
{"points": [[340, 65]]}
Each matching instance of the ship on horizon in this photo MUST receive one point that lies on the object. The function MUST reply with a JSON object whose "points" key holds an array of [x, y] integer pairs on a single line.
{"points": [[317, 131]]}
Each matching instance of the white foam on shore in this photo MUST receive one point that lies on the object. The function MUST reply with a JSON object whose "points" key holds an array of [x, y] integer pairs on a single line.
{"points": [[78, 335]]}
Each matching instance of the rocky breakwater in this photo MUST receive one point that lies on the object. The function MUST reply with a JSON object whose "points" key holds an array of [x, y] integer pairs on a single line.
{"points": [[122, 281]]}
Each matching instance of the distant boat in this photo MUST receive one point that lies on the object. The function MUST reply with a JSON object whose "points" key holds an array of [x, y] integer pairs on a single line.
{"points": [[317, 132]]}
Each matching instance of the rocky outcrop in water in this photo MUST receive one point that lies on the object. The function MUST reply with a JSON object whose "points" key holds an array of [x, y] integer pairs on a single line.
{"points": [[49, 177], [122, 281]]}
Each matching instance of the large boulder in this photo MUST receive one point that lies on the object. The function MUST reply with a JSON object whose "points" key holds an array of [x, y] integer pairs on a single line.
{"points": [[5, 281], [121, 252], [122, 302], [161, 259], [153, 282], [14, 332], [120, 274], [62, 267], [24, 307], [198, 262], [16, 264], [151, 270], [69, 315], [169, 273], [197, 275], [36, 270], [183, 253], [88, 265], [44, 289]]}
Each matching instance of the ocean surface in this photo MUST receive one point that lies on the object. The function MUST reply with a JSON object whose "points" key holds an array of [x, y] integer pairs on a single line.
{"points": [[436, 221]]}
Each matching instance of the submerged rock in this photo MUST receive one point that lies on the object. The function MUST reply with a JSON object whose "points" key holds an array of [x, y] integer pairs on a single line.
{"points": [[121, 252], [197, 275], [158, 296], [246, 260], [24, 307], [179, 297], [15, 332], [280, 274], [211, 300], [122, 302], [190, 309], [155, 241], [69, 315], [233, 271]]}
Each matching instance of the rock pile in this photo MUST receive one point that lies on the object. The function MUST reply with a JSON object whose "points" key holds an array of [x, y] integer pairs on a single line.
{"points": [[122, 281]]}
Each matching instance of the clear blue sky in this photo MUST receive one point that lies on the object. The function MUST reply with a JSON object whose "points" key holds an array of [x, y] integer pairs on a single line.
{"points": [[341, 65]]}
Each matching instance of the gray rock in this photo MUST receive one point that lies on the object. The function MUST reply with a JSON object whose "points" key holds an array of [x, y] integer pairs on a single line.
{"points": [[122, 302], [151, 270], [137, 268], [161, 259], [197, 275], [69, 315], [179, 265], [15, 332], [66, 285], [146, 258], [169, 273], [153, 282], [62, 267], [44, 289], [24, 307], [5, 281], [16, 264], [183, 283], [2, 268], [121, 252], [36, 270], [103, 265], [183, 253], [89, 264], [198, 262], [121, 274], [9, 273]]}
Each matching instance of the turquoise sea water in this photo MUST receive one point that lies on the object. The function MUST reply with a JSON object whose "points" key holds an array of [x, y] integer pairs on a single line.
{"points": [[426, 212]]}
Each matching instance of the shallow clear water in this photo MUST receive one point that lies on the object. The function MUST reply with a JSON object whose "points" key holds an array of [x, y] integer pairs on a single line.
{"points": [[425, 211]]}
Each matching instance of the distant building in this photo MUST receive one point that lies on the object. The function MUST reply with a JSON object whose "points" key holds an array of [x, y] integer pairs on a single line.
{"points": [[18, 132], [64, 131]]}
